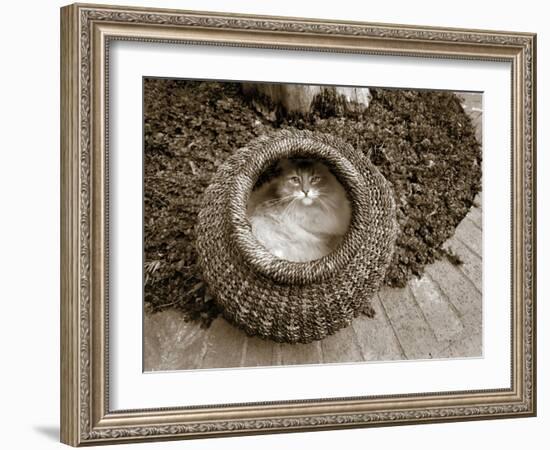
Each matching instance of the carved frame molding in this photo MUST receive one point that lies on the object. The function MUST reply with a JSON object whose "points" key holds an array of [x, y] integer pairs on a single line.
{"points": [[86, 32]]}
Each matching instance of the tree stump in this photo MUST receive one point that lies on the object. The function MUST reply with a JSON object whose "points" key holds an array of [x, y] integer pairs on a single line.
{"points": [[280, 100]]}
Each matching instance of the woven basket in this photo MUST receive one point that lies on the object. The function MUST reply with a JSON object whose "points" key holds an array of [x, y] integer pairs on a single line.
{"points": [[289, 301]]}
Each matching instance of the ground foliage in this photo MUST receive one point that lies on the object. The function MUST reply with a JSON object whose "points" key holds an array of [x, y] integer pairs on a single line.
{"points": [[421, 141]]}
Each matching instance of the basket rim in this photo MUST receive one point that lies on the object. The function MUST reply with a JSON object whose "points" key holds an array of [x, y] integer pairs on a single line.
{"points": [[264, 153]]}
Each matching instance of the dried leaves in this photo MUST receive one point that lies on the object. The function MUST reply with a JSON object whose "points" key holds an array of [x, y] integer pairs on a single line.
{"points": [[422, 142]]}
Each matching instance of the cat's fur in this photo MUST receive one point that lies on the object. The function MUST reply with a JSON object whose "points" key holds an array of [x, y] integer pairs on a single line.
{"points": [[302, 213]]}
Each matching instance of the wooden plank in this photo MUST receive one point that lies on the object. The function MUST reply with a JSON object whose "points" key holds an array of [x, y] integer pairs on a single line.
{"points": [[151, 343], [441, 316], [470, 343], [342, 346], [258, 352], [476, 216], [291, 354], [224, 346], [415, 336], [471, 98], [453, 283], [376, 336], [473, 106], [471, 263], [180, 345], [476, 117], [471, 236], [477, 122], [468, 346], [188, 348], [478, 200]]}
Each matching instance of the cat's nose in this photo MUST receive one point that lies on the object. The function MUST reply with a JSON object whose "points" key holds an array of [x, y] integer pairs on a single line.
{"points": [[305, 191]]}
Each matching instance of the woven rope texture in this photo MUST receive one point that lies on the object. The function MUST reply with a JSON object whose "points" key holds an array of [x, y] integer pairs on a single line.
{"points": [[282, 300]]}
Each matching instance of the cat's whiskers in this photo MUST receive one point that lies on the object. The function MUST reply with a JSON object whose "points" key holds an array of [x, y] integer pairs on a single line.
{"points": [[321, 192], [327, 199], [323, 204], [290, 207], [276, 201]]}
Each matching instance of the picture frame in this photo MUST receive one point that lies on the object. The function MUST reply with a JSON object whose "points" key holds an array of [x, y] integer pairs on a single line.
{"points": [[87, 32]]}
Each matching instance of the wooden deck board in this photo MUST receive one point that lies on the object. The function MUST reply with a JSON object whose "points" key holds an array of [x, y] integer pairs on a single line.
{"points": [[342, 346], [476, 216], [151, 342], [471, 263], [301, 353], [225, 345], [376, 336], [437, 316], [440, 314], [259, 352], [415, 336], [454, 284], [470, 341], [470, 235], [177, 343]]}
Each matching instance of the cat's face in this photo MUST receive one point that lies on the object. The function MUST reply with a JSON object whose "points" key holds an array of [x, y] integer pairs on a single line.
{"points": [[303, 180]]}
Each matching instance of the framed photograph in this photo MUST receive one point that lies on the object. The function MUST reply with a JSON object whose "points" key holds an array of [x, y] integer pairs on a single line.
{"points": [[278, 224]]}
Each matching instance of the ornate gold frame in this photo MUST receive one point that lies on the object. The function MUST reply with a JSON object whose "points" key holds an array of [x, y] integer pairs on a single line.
{"points": [[86, 31]]}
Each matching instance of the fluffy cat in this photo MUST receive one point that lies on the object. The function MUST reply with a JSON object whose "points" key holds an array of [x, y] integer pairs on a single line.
{"points": [[302, 213]]}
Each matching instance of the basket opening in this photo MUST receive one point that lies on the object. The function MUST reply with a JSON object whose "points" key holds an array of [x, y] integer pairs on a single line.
{"points": [[254, 253], [299, 210]]}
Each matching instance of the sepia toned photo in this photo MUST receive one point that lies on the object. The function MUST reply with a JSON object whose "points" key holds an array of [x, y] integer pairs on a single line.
{"points": [[278, 224], [290, 224]]}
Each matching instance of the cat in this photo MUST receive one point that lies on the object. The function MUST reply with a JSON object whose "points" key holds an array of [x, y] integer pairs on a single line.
{"points": [[300, 214]]}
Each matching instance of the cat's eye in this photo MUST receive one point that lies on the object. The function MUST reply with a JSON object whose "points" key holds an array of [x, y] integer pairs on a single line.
{"points": [[295, 180], [315, 179]]}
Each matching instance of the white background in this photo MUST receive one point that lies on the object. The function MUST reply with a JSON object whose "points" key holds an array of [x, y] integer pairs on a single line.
{"points": [[29, 234], [132, 389]]}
